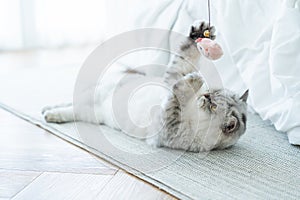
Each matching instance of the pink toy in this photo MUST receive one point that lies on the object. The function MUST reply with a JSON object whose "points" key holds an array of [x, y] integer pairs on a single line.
{"points": [[209, 48]]}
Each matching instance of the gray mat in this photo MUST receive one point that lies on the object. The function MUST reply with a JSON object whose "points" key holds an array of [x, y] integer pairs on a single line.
{"points": [[263, 165]]}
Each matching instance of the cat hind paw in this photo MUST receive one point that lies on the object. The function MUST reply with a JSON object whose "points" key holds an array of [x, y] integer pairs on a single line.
{"points": [[51, 116]]}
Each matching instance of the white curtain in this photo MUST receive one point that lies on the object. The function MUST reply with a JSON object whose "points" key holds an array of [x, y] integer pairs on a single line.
{"points": [[10, 24], [50, 23]]}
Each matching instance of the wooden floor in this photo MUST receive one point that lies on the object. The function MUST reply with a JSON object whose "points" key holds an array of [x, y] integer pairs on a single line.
{"points": [[35, 164]]}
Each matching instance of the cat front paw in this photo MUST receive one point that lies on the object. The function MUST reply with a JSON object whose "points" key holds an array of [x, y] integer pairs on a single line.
{"points": [[199, 27], [194, 80], [187, 86]]}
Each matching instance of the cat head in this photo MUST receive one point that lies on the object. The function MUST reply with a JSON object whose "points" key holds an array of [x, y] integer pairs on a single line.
{"points": [[228, 111]]}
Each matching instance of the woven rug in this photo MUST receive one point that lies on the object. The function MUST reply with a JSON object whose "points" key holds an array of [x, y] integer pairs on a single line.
{"points": [[262, 165]]}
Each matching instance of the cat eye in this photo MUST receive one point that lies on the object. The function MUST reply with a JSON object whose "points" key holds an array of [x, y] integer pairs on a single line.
{"points": [[213, 107]]}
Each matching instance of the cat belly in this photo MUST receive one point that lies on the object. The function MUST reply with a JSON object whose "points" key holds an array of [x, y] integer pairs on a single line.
{"points": [[132, 108]]}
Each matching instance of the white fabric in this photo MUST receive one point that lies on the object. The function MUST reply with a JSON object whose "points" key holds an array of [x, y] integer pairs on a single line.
{"points": [[264, 42], [261, 40]]}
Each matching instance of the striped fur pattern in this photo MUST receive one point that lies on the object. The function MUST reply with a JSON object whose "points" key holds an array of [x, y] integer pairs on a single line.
{"points": [[194, 119]]}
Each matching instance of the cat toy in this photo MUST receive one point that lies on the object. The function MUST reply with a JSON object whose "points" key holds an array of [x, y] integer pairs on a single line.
{"points": [[207, 47]]}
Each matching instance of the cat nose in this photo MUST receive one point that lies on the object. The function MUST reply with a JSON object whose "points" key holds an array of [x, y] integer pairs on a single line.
{"points": [[207, 96]]}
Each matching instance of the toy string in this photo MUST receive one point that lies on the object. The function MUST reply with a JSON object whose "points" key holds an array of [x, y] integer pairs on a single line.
{"points": [[208, 6]]}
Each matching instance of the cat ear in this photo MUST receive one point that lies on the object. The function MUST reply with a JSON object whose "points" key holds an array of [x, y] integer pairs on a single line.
{"points": [[244, 97], [192, 29]]}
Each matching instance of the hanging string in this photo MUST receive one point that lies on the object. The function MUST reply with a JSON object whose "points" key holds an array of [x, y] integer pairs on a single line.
{"points": [[207, 32], [208, 5]]}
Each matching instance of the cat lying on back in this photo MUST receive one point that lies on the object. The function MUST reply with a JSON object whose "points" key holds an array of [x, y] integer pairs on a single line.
{"points": [[192, 118]]}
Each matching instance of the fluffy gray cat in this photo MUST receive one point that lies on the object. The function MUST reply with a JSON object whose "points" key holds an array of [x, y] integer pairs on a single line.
{"points": [[191, 117]]}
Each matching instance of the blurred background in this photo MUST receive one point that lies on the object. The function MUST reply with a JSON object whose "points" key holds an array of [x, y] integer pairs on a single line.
{"points": [[260, 39], [29, 24]]}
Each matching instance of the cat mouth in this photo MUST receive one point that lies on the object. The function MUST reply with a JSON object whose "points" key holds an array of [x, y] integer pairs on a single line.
{"points": [[203, 103]]}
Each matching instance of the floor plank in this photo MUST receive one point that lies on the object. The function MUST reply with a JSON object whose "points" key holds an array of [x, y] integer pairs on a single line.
{"points": [[124, 186], [11, 181], [26, 147], [44, 58], [35, 164], [58, 186]]}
